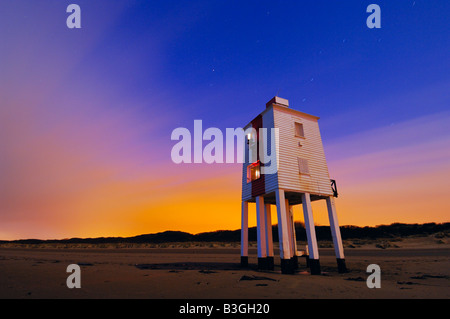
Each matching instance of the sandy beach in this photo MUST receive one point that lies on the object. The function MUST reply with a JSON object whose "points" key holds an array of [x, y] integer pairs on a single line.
{"points": [[410, 268]]}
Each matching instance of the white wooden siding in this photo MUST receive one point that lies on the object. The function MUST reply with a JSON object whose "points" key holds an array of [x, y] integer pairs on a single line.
{"points": [[271, 180], [246, 187], [303, 167], [289, 178]]}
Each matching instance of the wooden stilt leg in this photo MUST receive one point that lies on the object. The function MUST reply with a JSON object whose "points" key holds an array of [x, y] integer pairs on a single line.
{"points": [[269, 239], [283, 233], [294, 239], [291, 235], [261, 232], [336, 234], [311, 235], [244, 235]]}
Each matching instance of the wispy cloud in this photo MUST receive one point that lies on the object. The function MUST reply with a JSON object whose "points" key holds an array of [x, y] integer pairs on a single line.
{"points": [[394, 173]]}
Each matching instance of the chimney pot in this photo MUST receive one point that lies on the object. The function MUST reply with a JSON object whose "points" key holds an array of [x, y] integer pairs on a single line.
{"points": [[278, 101]]}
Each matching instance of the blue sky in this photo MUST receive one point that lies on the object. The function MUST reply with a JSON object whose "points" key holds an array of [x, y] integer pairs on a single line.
{"points": [[222, 60], [96, 106]]}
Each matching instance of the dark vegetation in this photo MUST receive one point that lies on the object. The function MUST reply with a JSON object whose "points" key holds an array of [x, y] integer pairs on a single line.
{"points": [[322, 232]]}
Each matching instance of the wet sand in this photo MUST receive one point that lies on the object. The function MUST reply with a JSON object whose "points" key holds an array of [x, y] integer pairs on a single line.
{"points": [[411, 271]]}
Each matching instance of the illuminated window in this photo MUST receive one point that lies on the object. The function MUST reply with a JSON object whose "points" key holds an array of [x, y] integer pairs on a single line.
{"points": [[253, 172], [299, 130], [251, 139]]}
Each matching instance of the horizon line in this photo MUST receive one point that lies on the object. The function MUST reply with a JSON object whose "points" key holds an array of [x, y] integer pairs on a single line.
{"points": [[214, 231]]}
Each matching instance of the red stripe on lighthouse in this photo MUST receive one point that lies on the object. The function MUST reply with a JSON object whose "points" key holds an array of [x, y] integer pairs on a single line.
{"points": [[258, 185]]}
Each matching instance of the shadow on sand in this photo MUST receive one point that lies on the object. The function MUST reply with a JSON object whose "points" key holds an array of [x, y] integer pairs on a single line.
{"points": [[202, 266]]}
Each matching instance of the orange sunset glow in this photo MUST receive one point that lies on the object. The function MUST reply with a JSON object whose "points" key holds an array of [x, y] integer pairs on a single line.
{"points": [[86, 116], [89, 194]]}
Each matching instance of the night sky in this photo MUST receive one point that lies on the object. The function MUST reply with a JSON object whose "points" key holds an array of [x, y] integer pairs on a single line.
{"points": [[86, 114]]}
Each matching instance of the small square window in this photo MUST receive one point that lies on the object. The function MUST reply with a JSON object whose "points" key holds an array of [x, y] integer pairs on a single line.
{"points": [[299, 130], [303, 167], [253, 172]]}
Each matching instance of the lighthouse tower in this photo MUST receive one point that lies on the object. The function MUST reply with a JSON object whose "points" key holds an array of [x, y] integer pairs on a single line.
{"points": [[285, 165]]}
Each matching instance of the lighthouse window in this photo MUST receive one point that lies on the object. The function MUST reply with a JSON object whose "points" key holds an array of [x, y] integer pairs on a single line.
{"points": [[253, 172], [303, 166], [299, 130]]}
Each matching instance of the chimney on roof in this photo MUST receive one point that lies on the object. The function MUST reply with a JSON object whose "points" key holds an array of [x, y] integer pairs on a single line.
{"points": [[278, 101]]}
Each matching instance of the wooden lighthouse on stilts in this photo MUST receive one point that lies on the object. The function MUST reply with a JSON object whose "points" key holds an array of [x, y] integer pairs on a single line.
{"points": [[285, 165]]}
